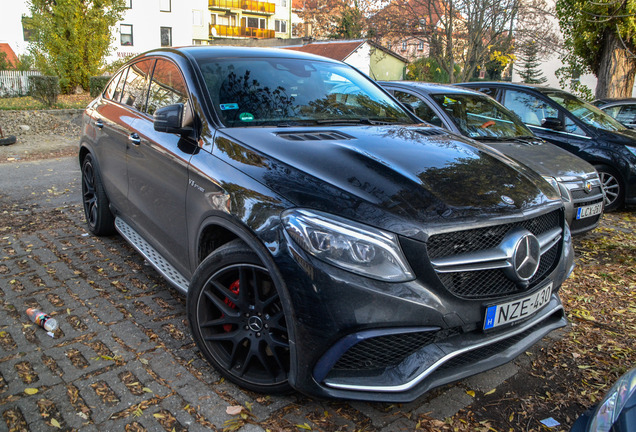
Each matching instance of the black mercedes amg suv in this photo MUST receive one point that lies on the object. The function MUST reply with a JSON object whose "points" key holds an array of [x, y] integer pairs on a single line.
{"points": [[325, 239]]}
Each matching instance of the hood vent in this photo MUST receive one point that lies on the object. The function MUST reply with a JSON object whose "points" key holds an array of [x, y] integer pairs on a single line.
{"points": [[315, 136], [431, 131]]}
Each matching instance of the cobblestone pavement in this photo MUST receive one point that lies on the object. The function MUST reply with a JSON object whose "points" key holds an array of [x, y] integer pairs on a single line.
{"points": [[123, 358]]}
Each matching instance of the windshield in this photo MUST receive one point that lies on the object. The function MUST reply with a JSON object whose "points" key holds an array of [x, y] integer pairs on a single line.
{"points": [[479, 116], [585, 112], [287, 92]]}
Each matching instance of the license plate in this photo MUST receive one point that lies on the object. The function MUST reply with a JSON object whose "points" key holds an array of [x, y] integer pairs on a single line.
{"points": [[516, 310], [591, 210]]}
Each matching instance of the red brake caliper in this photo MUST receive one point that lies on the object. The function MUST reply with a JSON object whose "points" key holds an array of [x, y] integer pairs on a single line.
{"points": [[235, 290]]}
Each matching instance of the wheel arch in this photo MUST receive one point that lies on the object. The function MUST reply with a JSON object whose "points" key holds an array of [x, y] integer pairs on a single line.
{"points": [[223, 229]]}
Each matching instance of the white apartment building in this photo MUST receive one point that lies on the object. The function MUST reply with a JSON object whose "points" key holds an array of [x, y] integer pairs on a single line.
{"points": [[149, 24]]}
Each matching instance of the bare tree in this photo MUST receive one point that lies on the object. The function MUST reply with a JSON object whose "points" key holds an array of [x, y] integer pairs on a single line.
{"points": [[465, 35]]}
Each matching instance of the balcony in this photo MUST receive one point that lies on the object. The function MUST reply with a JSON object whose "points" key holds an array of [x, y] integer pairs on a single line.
{"points": [[254, 6], [219, 30]]}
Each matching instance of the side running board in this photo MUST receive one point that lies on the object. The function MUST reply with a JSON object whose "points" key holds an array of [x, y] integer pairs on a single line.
{"points": [[160, 264]]}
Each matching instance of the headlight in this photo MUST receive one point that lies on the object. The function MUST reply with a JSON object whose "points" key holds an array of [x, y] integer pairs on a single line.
{"points": [[631, 149], [553, 183], [346, 244], [610, 408], [563, 192]]}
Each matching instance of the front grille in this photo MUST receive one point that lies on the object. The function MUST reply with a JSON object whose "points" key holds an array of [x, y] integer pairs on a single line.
{"points": [[581, 194], [474, 285], [388, 350], [459, 242], [491, 283]]}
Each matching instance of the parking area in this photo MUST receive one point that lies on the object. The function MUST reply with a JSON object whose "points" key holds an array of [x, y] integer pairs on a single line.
{"points": [[124, 358]]}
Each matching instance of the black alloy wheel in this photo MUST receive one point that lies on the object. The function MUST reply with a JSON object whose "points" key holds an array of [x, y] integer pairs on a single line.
{"points": [[612, 187], [98, 216], [237, 319]]}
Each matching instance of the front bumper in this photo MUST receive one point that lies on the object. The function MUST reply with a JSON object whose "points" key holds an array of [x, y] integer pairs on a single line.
{"points": [[335, 311]]}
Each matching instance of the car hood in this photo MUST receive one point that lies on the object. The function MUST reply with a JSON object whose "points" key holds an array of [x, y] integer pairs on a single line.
{"points": [[545, 158], [625, 137], [392, 177]]}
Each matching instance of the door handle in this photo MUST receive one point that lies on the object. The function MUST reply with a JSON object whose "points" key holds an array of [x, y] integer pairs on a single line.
{"points": [[134, 139], [99, 124]]}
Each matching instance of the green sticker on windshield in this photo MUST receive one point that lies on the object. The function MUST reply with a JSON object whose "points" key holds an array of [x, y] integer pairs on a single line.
{"points": [[246, 117]]}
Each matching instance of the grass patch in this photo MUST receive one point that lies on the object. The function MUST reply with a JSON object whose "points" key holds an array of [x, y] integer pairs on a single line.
{"points": [[28, 103]]}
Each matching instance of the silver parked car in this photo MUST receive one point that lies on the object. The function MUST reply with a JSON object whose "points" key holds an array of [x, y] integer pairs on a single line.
{"points": [[478, 116]]}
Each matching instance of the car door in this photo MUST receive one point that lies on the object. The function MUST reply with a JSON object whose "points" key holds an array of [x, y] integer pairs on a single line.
{"points": [[158, 170], [534, 109], [111, 124]]}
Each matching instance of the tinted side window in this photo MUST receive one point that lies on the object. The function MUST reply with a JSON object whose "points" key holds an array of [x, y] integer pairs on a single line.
{"points": [[572, 127], [120, 86], [490, 91], [110, 90], [167, 87], [627, 114], [136, 87], [529, 108], [422, 110]]}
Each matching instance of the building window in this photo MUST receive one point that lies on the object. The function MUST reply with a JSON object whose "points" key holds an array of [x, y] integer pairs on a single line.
{"points": [[388, 45], [420, 46], [256, 23], [403, 46], [280, 26], [128, 4], [197, 18], [281, 3], [165, 5], [166, 36], [126, 34]]}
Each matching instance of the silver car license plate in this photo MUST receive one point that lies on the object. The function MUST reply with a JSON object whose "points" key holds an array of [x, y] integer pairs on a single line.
{"points": [[516, 310], [587, 211]]}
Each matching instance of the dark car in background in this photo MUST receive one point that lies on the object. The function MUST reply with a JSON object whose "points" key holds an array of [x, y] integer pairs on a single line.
{"points": [[623, 110], [326, 240], [477, 116], [616, 412], [578, 127]]}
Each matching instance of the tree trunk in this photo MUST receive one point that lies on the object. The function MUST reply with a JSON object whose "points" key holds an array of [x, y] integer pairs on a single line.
{"points": [[616, 70]]}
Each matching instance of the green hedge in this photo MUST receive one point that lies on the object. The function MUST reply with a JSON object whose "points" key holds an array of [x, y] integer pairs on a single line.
{"points": [[45, 88], [97, 84]]}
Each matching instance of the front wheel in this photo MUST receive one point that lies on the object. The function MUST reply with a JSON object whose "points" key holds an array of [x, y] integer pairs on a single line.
{"points": [[613, 188], [237, 319]]}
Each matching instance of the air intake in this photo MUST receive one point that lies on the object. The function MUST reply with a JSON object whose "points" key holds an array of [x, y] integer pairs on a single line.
{"points": [[431, 131], [314, 136]]}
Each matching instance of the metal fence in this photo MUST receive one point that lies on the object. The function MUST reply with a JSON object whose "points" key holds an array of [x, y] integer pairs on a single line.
{"points": [[15, 83]]}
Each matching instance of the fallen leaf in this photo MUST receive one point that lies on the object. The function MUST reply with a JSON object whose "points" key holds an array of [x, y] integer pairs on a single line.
{"points": [[31, 391], [234, 409]]}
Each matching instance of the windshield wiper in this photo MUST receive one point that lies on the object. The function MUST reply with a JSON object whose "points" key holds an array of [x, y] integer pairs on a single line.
{"points": [[345, 121], [363, 120]]}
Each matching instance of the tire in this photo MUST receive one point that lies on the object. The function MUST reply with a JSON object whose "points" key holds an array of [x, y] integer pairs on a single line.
{"points": [[11, 139], [99, 218], [237, 319], [613, 187]]}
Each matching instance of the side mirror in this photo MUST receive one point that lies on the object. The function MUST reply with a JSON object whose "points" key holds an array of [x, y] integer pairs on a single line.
{"points": [[552, 123], [170, 119]]}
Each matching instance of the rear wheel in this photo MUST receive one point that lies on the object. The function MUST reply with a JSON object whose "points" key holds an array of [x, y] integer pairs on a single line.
{"points": [[237, 320], [98, 216], [612, 185]]}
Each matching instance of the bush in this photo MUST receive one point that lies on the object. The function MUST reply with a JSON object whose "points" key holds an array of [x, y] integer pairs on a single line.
{"points": [[45, 88], [97, 84]]}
